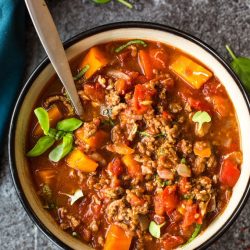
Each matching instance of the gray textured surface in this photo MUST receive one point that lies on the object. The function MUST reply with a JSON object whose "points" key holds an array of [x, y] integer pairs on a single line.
{"points": [[216, 22]]}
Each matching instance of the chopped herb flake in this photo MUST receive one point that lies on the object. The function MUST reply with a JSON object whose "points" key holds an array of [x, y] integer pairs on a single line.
{"points": [[136, 41]]}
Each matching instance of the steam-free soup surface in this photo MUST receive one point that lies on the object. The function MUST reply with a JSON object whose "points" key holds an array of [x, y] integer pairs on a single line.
{"points": [[155, 156]]}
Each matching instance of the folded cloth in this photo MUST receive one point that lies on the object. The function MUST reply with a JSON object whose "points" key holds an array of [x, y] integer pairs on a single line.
{"points": [[12, 23]]}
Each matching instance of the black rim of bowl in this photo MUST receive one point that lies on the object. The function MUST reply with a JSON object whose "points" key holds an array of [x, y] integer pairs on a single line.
{"points": [[45, 62]]}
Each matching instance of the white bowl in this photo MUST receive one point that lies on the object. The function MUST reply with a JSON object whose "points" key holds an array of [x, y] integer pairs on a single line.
{"points": [[103, 34]]}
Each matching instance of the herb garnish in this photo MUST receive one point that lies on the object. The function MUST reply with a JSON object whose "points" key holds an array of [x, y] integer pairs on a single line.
{"points": [[47, 196], [107, 112], [155, 229], [241, 66], [201, 117], [136, 41], [195, 233], [183, 161], [124, 2], [160, 182], [81, 72], [64, 131]]}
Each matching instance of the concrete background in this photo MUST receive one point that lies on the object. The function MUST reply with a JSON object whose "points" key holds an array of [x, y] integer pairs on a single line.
{"points": [[216, 22]]}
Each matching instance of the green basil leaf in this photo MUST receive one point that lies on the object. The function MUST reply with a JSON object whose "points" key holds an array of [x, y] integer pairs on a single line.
{"points": [[241, 66], [201, 117], [69, 125], [81, 72], [136, 41], [62, 149], [195, 233], [52, 132], [42, 145], [155, 229], [43, 119], [59, 135]]}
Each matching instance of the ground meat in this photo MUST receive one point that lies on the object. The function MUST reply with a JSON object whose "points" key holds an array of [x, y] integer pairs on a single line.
{"points": [[211, 162], [200, 132], [113, 193], [119, 213], [93, 226], [166, 154], [175, 107], [202, 189], [185, 147], [90, 128], [69, 222], [131, 130], [117, 135], [155, 124], [148, 145], [117, 109], [199, 165], [112, 98]]}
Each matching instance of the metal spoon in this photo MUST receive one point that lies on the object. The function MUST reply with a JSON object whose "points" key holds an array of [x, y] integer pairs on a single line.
{"points": [[48, 34]]}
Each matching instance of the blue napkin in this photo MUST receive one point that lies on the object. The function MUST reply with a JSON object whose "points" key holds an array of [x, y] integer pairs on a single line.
{"points": [[12, 23]]}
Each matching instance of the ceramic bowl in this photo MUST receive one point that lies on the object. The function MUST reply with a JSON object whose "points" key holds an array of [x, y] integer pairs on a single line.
{"points": [[130, 30]]}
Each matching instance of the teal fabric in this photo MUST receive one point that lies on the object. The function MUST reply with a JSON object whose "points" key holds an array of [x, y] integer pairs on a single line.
{"points": [[12, 23]]}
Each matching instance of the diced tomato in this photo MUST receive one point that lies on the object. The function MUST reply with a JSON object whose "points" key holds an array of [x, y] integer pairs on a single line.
{"points": [[95, 92], [140, 79], [170, 198], [159, 205], [132, 74], [175, 216], [199, 104], [190, 216], [229, 173], [159, 219], [211, 88], [141, 94], [123, 56], [221, 105], [170, 242], [115, 166], [158, 58], [166, 115], [115, 182]]}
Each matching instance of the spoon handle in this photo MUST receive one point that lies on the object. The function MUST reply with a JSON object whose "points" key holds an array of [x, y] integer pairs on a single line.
{"points": [[48, 34]]}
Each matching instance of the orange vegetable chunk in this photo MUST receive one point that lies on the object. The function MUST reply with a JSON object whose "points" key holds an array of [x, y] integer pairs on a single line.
{"points": [[95, 141], [191, 72], [202, 149], [117, 239], [96, 59], [79, 161], [133, 167], [122, 149], [55, 116], [145, 64]]}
